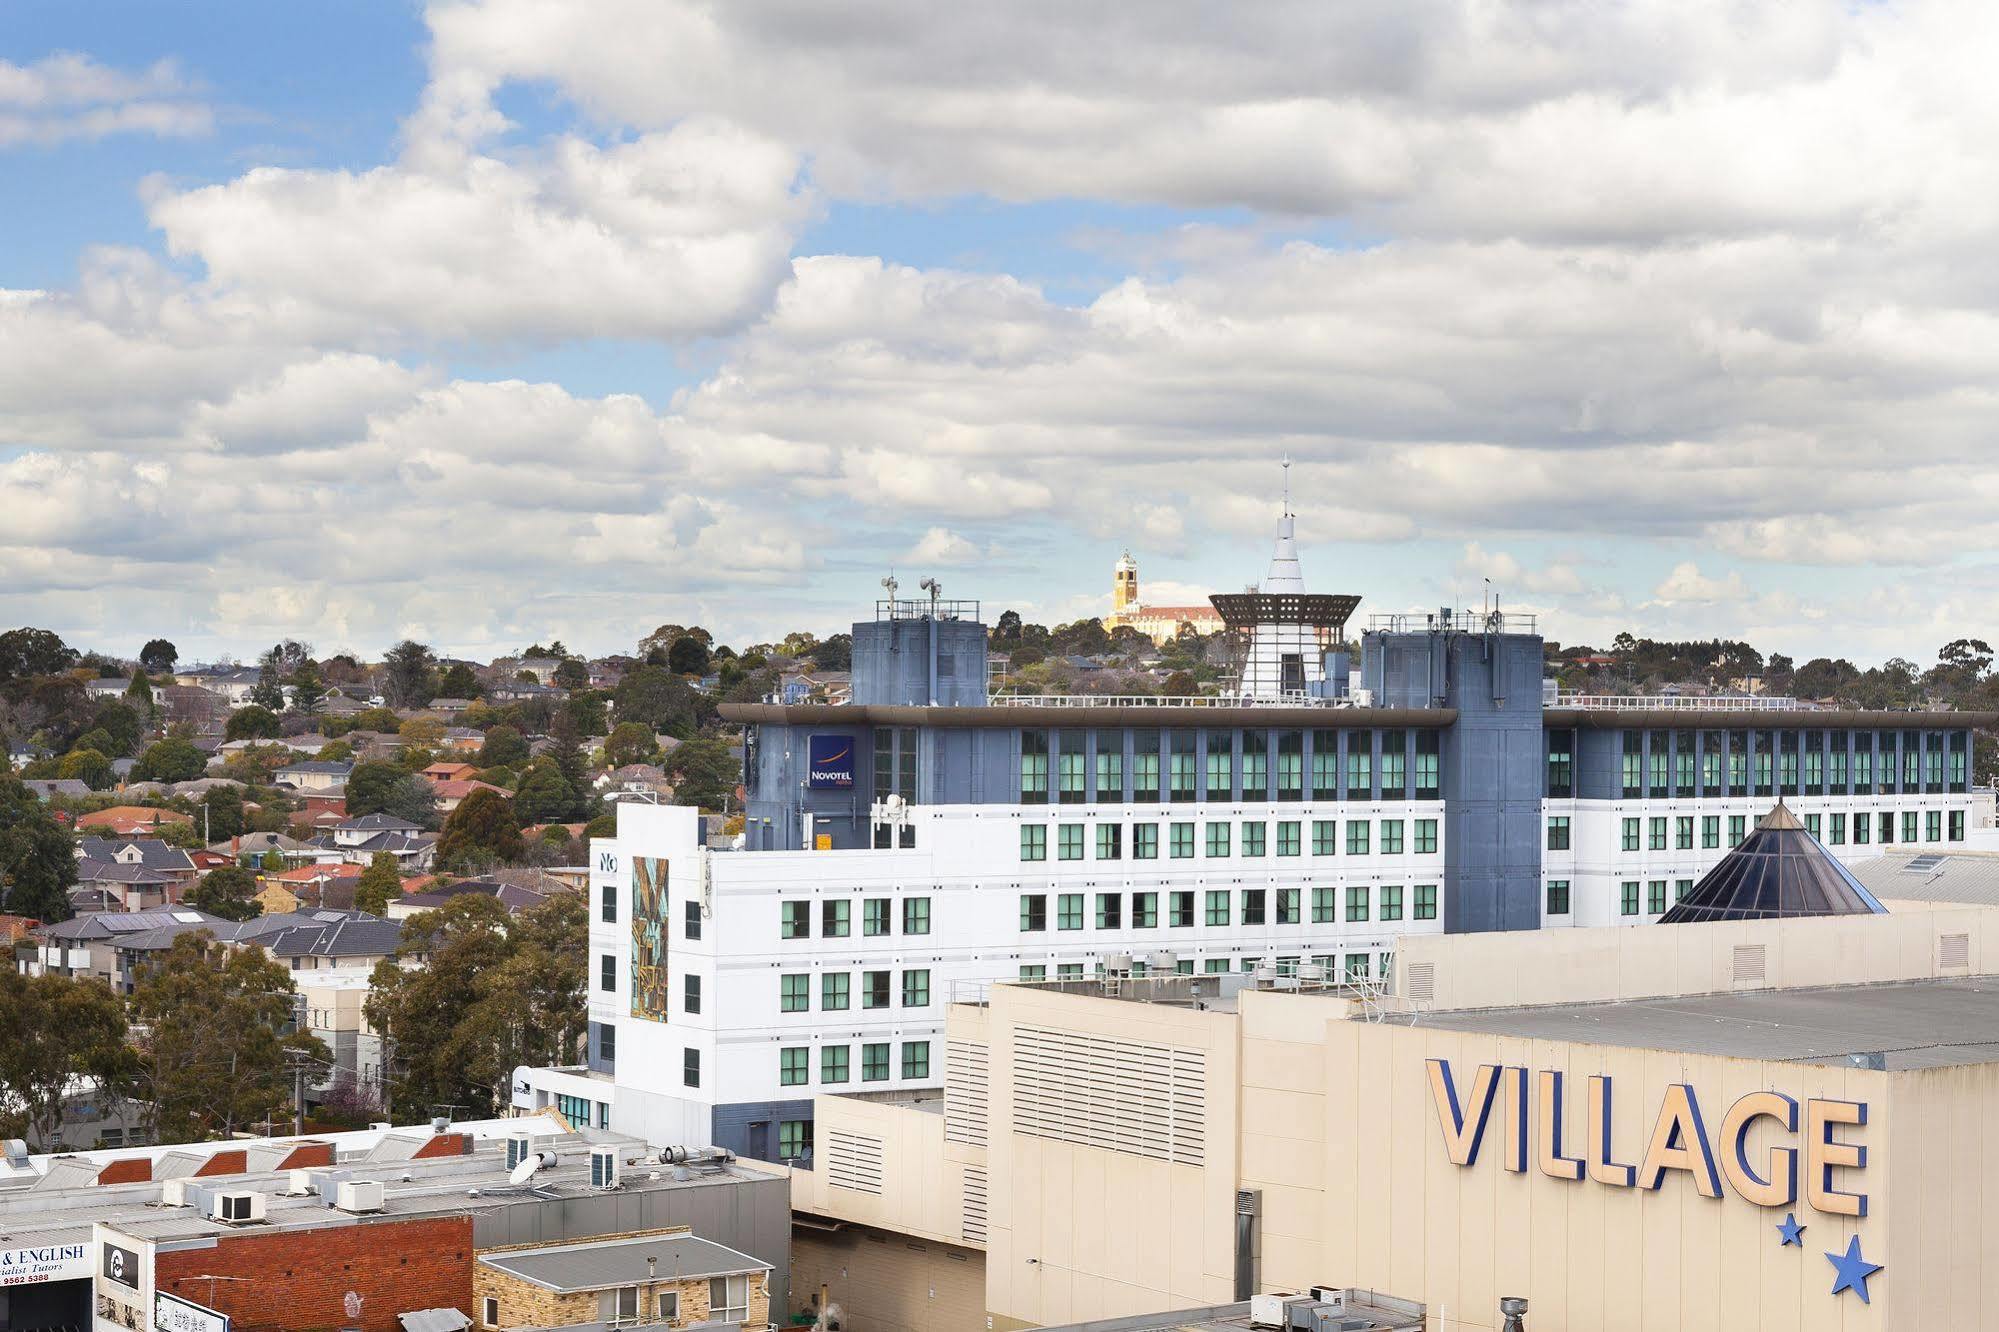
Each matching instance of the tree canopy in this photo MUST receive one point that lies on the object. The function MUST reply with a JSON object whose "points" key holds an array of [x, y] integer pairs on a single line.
{"points": [[228, 891], [37, 857], [56, 1032], [254, 722], [482, 829], [170, 760], [159, 656]]}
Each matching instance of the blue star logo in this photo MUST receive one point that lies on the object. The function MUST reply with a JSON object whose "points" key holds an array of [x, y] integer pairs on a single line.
{"points": [[1790, 1230], [1853, 1270]]}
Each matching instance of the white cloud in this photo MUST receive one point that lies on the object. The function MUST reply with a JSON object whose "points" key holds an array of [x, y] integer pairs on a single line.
{"points": [[942, 546], [1686, 583], [71, 96]]}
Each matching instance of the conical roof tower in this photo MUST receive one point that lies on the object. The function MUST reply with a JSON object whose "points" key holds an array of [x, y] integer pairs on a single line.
{"points": [[1779, 871]]}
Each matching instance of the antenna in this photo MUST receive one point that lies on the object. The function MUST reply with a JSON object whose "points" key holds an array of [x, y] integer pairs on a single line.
{"points": [[1287, 485], [529, 1166], [936, 590], [890, 583]]}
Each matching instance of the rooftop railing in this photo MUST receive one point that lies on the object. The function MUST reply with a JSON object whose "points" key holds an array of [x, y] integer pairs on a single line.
{"points": [[1459, 621], [1682, 703], [1358, 699]]}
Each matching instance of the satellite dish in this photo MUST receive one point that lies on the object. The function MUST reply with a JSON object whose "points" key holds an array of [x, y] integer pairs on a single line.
{"points": [[529, 1165]]}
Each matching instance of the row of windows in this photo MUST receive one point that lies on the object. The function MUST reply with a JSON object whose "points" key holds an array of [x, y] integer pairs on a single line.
{"points": [[1074, 767], [1220, 907], [794, 1063], [1651, 834], [1357, 967], [1688, 764], [836, 918], [794, 992], [582, 1112], [1220, 838]]}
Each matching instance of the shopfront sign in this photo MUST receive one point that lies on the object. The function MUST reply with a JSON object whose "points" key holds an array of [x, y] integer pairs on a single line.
{"points": [[830, 764], [25, 1263], [1524, 1117], [171, 1313]]}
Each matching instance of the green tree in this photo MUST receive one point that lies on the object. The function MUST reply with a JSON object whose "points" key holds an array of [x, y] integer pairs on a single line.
{"points": [[543, 797], [378, 884], [255, 722], [459, 682], [217, 1030], [572, 674], [54, 1034], [229, 891], [409, 682], [27, 652], [159, 656], [124, 724], [504, 748], [139, 695], [368, 787], [88, 766], [37, 857], [384, 720], [688, 656], [273, 862], [630, 743], [703, 772], [482, 828], [604, 825], [386, 788], [170, 760], [308, 690], [225, 815], [566, 751], [656, 697]]}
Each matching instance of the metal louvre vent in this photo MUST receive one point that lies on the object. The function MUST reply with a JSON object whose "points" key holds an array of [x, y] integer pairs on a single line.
{"points": [[1248, 1202], [1123, 1096], [965, 1080], [973, 1228], [1749, 964], [1954, 950], [1422, 978], [854, 1161]]}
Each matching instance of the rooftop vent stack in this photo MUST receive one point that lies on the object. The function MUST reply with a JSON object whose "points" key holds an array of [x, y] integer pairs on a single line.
{"points": [[15, 1152], [1248, 1203], [603, 1167], [1514, 1309]]}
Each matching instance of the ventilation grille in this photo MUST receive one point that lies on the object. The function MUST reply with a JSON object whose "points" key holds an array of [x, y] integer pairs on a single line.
{"points": [[1749, 964], [1248, 1202], [1123, 1096], [965, 1093], [973, 1228], [854, 1161], [1422, 982], [1954, 950]]}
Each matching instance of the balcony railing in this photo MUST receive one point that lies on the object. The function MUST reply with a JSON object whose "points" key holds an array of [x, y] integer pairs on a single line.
{"points": [[1358, 699], [1682, 703]]}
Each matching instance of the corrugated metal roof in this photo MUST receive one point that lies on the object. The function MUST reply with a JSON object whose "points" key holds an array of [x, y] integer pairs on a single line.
{"points": [[583, 1267], [1968, 877], [434, 1320]]}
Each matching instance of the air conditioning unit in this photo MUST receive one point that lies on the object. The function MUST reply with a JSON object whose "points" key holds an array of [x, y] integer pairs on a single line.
{"points": [[1271, 1310], [173, 1193], [298, 1183], [238, 1209], [603, 1167], [359, 1195], [520, 1146], [1336, 1296]]}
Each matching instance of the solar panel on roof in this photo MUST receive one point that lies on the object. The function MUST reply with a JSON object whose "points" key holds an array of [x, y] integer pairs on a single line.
{"points": [[1924, 863]]}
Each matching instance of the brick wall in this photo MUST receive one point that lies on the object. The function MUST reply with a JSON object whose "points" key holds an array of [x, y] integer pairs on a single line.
{"points": [[524, 1304], [298, 1280]]}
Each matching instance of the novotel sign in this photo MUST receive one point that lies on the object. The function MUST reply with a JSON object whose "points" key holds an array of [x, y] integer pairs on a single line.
{"points": [[1680, 1140], [829, 763], [34, 1264]]}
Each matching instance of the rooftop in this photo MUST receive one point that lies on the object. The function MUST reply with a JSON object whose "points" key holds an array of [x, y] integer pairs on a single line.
{"points": [[625, 1262], [1897, 1027], [1364, 1310]]}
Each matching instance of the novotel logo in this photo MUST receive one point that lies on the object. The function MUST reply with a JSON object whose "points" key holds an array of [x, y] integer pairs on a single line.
{"points": [[829, 762], [1680, 1139]]}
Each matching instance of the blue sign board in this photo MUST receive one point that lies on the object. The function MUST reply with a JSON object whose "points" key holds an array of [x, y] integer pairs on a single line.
{"points": [[830, 763]]}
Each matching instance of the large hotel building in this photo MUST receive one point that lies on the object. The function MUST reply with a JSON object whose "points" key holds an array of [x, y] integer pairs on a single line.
{"points": [[929, 839]]}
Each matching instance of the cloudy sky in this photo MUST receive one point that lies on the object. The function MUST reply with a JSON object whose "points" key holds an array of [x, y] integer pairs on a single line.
{"points": [[486, 322]]}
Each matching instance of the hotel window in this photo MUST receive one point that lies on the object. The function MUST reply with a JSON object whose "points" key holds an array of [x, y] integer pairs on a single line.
{"points": [[608, 905], [1683, 833], [1933, 825], [1661, 756], [1356, 968], [794, 993], [1815, 763], [1069, 911], [794, 1140], [874, 989], [916, 915], [691, 921], [1183, 841], [1710, 832], [1221, 760], [1218, 906], [1215, 965], [1764, 760], [1033, 972], [1069, 841], [1863, 763], [1737, 829], [1357, 837], [1812, 824], [1325, 836], [1655, 834], [1110, 767], [1912, 761], [1034, 841], [916, 1059], [1957, 825], [1558, 897], [1427, 765], [1068, 971], [575, 1109], [1180, 909], [1628, 898], [1253, 907], [1885, 767], [1145, 841], [1629, 829], [1323, 905], [1357, 895], [1957, 758], [1908, 825], [1836, 831], [1110, 911], [690, 1001], [1634, 765], [690, 1067], [1394, 765], [1218, 839], [874, 1062], [833, 1064], [1391, 837], [1933, 762], [1290, 765], [794, 921], [834, 988], [1787, 762], [1683, 764], [916, 983], [1325, 765], [1287, 906], [1835, 768], [1681, 887], [1145, 911], [1034, 767], [1252, 838], [1033, 912], [1070, 767], [1255, 765], [794, 1067], [1360, 765], [836, 919], [1558, 833], [1391, 902], [1738, 763], [607, 973], [1110, 841], [1145, 769], [1863, 828], [1713, 743], [1183, 765], [874, 916], [1655, 896], [1426, 837], [1290, 840], [1426, 902], [1561, 784]]}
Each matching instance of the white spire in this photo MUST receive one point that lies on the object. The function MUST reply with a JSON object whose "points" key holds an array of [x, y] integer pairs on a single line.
{"points": [[1285, 573]]}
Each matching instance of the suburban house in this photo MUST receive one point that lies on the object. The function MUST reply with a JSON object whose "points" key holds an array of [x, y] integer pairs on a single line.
{"points": [[309, 888], [360, 840], [450, 795], [449, 772], [129, 820], [313, 774], [47, 790]]}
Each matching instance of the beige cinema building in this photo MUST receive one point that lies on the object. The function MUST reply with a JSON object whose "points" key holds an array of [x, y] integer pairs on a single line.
{"points": [[1782, 1125]]}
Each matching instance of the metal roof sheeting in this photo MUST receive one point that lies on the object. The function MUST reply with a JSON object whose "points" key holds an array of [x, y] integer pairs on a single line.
{"points": [[586, 1267]]}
